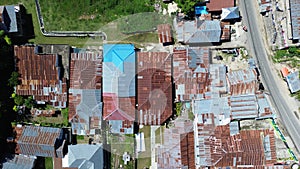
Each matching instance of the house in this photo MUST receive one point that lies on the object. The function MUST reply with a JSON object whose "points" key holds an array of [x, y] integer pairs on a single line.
{"points": [[217, 81], [165, 34], [225, 146], [230, 13], [198, 32], [19, 162], [293, 81], [85, 101], [119, 87], [295, 21], [190, 72], [15, 21], [82, 156], [41, 76], [226, 31], [40, 141], [242, 82], [217, 5], [176, 151], [154, 87]]}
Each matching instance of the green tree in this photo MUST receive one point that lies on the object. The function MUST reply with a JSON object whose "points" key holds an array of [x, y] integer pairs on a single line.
{"points": [[14, 79], [7, 40], [280, 54], [29, 102], [19, 100], [187, 6], [293, 50]]}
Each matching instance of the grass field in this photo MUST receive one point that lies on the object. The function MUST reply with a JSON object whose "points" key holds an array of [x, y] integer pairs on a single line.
{"points": [[144, 158], [88, 14], [72, 16]]}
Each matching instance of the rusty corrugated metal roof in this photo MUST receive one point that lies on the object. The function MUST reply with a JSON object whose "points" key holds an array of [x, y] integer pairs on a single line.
{"points": [[85, 104], [154, 87], [40, 141], [190, 72], [215, 147], [39, 75], [242, 82], [170, 154], [164, 33]]}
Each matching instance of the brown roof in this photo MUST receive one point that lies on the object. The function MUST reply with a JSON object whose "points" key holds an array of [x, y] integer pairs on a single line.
{"points": [[85, 74], [220, 149], [154, 87], [226, 34], [164, 33], [39, 75], [190, 72], [187, 149], [86, 70], [217, 5]]}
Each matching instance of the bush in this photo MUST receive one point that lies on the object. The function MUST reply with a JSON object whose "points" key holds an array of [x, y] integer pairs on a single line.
{"points": [[280, 54], [29, 102], [14, 79], [19, 100]]}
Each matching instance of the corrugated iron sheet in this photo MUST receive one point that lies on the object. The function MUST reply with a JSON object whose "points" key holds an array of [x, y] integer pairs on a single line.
{"points": [[164, 33], [242, 82], [39, 77], [154, 87]]}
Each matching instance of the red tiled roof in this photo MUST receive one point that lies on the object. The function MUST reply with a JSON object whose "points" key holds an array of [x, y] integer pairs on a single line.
{"points": [[217, 5], [154, 87], [187, 150], [164, 33]]}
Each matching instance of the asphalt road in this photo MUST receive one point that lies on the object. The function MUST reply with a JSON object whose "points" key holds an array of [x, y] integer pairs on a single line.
{"points": [[258, 48]]}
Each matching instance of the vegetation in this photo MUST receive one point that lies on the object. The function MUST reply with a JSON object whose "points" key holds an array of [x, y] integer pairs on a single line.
{"points": [[79, 137], [178, 108], [291, 56], [14, 79], [48, 163], [29, 102], [191, 115], [65, 115], [144, 158], [187, 6], [88, 15], [19, 101]]}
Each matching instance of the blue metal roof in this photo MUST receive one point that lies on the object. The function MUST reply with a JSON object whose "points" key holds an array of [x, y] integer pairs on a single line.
{"points": [[230, 13], [293, 81], [119, 54], [295, 15], [199, 10]]}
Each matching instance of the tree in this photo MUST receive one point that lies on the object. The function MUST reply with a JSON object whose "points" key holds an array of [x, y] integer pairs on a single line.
{"points": [[187, 6], [19, 100], [29, 102], [14, 79], [293, 50]]}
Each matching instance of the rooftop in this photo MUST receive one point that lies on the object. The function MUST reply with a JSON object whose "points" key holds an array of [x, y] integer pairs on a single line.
{"points": [[164, 33], [40, 76], [154, 89], [10, 18], [217, 5], [295, 18], [190, 71], [85, 156], [293, 81], [217, 146], [19, 162], [198, 31], [40, 141], [85, 104], [171, 154]]}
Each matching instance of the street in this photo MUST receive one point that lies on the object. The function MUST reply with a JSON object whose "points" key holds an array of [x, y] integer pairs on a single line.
{"points": [[258, 49]]}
